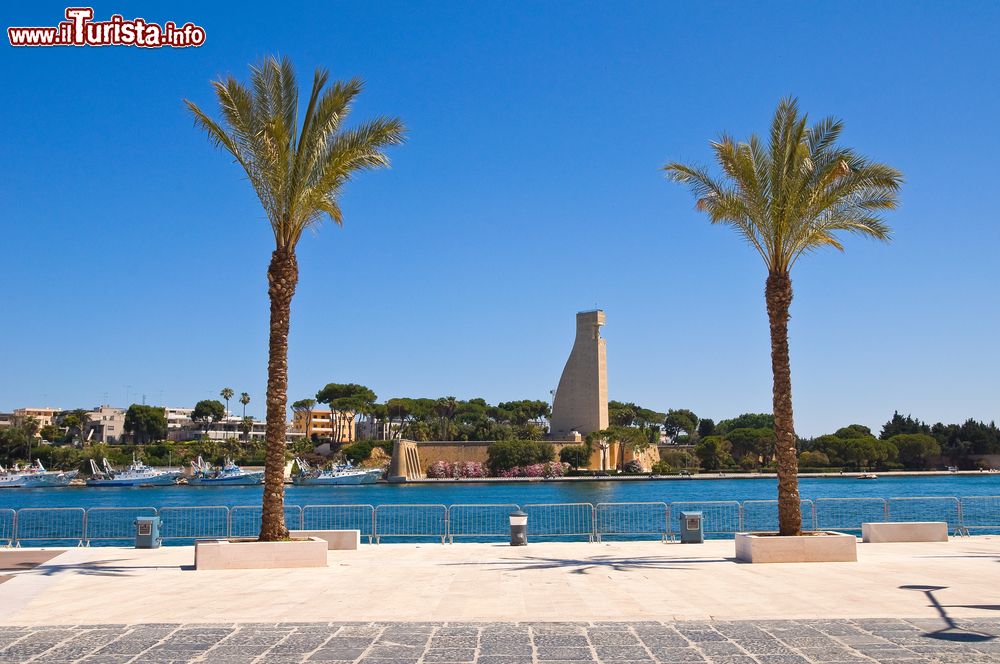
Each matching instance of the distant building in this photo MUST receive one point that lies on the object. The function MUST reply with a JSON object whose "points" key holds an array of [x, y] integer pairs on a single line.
{"points": [[44, 416], [6, 420], [106, 425], [314, 424], [178, 418]]}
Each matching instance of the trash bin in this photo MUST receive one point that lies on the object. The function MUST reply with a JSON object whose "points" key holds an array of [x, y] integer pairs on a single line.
{"points": [[147, 532], [518, 528], [692, 530]]}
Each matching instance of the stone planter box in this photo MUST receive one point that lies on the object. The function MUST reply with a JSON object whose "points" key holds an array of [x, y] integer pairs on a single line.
{"points": [[820, 547], [251, 554], [337, 540], [910, 531]]}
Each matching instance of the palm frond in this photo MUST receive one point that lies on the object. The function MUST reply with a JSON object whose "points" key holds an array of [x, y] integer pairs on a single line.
{"points": [[796, 194], [296, 172]]}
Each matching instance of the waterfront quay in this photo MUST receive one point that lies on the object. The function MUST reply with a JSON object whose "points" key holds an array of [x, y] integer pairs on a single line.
{"points": [[496, 604]]}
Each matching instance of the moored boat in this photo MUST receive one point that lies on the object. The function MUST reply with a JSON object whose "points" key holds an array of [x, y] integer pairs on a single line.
{"points": [[867, 476], [137, 474], [340, 474], [230, 474], [34, 476]]}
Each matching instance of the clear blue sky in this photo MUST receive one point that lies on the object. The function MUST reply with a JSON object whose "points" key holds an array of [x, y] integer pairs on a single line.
{"points": [[134, 254]]}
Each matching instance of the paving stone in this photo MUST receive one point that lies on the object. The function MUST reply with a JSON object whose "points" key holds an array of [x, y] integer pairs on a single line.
{"points": [[555, 653]]}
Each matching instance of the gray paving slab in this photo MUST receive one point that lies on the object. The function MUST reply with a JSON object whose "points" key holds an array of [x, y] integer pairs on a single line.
{"points": [[891, 641]]}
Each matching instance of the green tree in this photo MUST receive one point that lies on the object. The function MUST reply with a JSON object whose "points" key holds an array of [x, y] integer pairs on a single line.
{"points": [[706, 427], [76, 423], [679, 421], [916, 450], [207, 412], [146, 424], [899, 424], [344, 398], [298, 173], [786, 199], [714, 452], [745, 421], [575, 455], [506, 454]]}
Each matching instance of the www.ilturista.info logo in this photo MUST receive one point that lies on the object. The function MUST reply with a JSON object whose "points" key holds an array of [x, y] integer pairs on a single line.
{"points": [[79, 29]]}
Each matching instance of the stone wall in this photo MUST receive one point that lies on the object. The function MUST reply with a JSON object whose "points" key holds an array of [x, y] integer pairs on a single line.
{"points": [[411, 459]]}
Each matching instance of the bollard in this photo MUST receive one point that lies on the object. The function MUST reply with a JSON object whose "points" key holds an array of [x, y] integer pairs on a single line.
{"points": [[518, 528]]}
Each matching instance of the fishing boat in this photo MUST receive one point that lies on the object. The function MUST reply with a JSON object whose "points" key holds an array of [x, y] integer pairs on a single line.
{"points": [[230, 474], [33, 476], [340, 474], [867, 476], [137, 474]]}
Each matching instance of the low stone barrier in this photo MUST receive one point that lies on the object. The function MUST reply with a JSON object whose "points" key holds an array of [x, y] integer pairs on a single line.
{"points": [[337, 540], [905, 531], [250, 554]]}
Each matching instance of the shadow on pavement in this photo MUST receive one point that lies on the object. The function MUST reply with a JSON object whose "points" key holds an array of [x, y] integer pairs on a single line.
{"points": [[951, 631]]}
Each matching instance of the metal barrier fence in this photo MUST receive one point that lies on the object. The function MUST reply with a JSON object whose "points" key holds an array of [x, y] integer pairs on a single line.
{"points": [[340, 517], [632, 521], [8, 526], [50, 525], [489, 522], [722, 517], [849, 513], [114, 524], [560, 520], [979, 513], [479, 521], [191, 523], [244, 520], [763, 515], [936, 508], [425, 521]]}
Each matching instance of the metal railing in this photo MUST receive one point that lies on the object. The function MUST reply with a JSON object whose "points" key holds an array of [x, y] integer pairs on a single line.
{"points": [[718, 517], [489, 522], [561, 520], [423, 521], [51, 525], [8, 526], [244, 520], [340, 517], [849, 513], [114, 524], [191, 523], [632, 521], [480, 521], [934, 508], [763, 515], [979, 513]]}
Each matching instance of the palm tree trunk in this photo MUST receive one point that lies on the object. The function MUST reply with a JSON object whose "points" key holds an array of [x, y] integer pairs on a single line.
{"points": [[778, 294], [282, 277]]}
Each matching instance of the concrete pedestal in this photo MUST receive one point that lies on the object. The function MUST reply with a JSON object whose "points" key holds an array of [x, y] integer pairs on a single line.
{"points": [[250, 554], [811, 548], [909, 531]]}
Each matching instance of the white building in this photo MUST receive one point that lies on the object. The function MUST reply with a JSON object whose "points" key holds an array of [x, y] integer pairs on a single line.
{"points": [[106, 425]]}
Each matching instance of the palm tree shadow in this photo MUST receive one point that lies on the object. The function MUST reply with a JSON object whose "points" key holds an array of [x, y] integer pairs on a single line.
{"points": [[89, 568], [951, 631], [593, 563]]}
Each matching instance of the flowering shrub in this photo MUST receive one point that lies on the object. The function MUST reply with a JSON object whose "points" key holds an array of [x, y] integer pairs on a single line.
{"points": [[439, 470], [460, 469], [548, 469], [632, 467]]}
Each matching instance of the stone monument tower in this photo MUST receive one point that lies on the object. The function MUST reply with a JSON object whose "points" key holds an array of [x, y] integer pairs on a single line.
{"points": [[581, 401]]}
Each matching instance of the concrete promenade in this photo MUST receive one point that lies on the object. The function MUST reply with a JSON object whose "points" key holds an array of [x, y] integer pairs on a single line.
{"points": [[928, 602]]}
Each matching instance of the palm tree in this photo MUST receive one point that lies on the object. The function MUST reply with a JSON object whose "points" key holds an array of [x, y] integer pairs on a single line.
{"points": [[298, 173], [244, 399], [786, 199], [227, 394]]}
